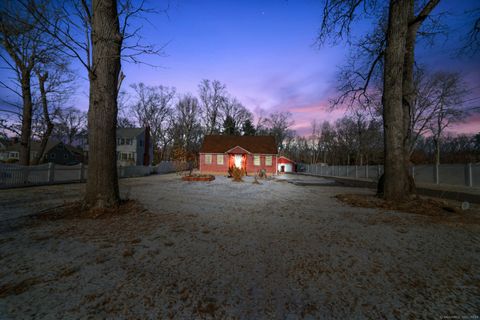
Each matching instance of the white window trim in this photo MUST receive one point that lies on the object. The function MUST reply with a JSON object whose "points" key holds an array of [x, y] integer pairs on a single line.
{"points": [[259, 160], [209, 157], [220, 156], [266, 160]]}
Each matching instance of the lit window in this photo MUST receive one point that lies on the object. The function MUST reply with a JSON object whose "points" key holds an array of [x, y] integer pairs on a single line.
{"points": [[219, 158], [268, 160], [256, 160], [208, 159]]}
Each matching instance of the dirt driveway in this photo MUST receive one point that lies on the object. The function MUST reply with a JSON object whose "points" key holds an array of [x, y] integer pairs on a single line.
{"points": [[233, 250]]}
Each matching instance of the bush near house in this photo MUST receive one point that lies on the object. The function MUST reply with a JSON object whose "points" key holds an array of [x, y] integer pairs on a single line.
{"points": [[237, 174]]}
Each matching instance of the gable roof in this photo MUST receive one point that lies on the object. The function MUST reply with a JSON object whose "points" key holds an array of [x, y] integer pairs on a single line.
{"points": [[253, 144], [35, 146], [129, 132], [283, 157]]}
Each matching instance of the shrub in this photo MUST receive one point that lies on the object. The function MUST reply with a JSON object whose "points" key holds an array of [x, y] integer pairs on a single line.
{"points": [[237, 174], [262, 174], [230, 171]]}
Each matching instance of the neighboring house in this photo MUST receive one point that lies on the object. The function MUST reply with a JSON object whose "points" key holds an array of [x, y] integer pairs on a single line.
{"points": [[55, 151], [251, 153], [134, 147], [3, 153], [285, 165]]}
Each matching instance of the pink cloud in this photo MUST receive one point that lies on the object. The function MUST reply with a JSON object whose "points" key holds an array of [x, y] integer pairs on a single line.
{"points": [[469, 126]]}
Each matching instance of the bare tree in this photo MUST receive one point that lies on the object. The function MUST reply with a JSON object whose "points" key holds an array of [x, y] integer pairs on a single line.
{"points": [[24, 45], [123, 116], [234, 115], [55, 82], [471, 41], [106, 40], [187, 130], [153, 107], [98, 34], [213, 96], [279, 124], [405, 17], [446, 101], [313, 142], [70, 124]]}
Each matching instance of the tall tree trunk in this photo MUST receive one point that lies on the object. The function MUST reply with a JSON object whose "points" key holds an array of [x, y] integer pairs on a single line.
{"points": [[408, 95], [24, 158], [48, 131], [396, 179], [102, 184]]}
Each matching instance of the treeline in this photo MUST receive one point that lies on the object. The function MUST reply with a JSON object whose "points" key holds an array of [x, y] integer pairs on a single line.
{"points": [[357, 140]]}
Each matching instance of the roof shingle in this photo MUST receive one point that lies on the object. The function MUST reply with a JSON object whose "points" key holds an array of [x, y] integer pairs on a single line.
{"points": [[253, 144]]}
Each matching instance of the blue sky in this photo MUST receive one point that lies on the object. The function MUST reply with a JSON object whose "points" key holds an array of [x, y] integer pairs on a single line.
{"points": [[264, 51]]}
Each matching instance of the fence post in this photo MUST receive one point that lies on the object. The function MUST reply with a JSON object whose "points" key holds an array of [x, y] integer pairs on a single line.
{"points": [[413, 172], [366, 171], [436, 174], [468, 175], [316, 169], [51, 172], [356, 172], [378, 171], [82, 172]]}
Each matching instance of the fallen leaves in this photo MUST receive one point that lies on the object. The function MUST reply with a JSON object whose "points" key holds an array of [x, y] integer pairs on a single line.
{"points": [[438, 210], [18, 288]]}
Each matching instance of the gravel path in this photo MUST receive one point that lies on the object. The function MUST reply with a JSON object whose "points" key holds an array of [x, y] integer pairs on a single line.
{"points": [[234, 250]]}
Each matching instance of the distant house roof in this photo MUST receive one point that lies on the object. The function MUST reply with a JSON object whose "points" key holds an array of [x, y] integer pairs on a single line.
{"points": [[34, 145], [129, 132], [74, 150], [253, 144]]}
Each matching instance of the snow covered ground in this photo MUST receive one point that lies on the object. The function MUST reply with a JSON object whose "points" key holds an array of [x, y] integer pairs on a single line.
{"points": [[233, 250]]}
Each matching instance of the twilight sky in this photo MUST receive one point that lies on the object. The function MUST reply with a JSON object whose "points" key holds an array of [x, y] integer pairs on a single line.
{"points": [[264, 51]]}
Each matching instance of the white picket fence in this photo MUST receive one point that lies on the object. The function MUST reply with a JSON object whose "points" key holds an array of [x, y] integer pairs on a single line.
{"points": [[451, 174], [12, 175]]}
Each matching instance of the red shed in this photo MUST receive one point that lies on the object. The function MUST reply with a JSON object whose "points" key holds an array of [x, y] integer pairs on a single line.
{"points": [[251, 153], [285, 165]]}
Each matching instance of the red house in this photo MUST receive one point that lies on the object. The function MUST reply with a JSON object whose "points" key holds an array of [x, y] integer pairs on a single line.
{"points": [[251, 153]]}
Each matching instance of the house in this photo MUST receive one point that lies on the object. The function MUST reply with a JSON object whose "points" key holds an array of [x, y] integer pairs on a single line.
{"points": [[286, 165], [251, 153], [134, 147], [55, 151], [3, 149]]}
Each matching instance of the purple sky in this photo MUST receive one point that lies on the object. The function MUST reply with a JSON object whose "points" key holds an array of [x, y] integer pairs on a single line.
{"points": [[264, 52]]}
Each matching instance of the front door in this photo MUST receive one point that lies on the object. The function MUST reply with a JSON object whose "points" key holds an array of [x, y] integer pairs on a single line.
{"points": [[282, 168], [238, 161]]}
